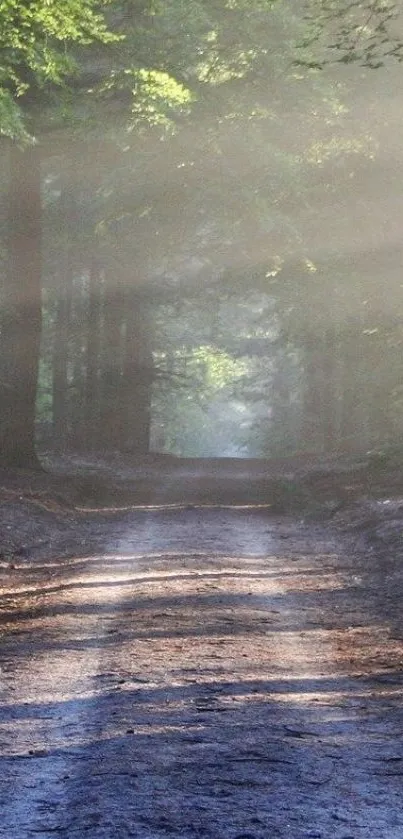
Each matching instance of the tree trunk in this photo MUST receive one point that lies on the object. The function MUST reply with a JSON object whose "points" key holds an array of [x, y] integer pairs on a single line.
{"points": [[79, 331], [60, 404], [138, 376], [111, 378], [60, 385], [22, 312], [93, 352]]}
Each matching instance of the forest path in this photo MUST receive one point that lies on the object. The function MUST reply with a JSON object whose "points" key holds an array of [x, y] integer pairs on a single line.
{"points": [[217, 673]]}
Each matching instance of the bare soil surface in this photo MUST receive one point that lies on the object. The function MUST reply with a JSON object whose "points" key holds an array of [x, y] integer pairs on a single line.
{"points": [[202, 649]]}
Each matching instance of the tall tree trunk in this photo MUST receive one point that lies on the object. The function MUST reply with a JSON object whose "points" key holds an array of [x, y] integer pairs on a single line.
{"points": [[60, 402], [78, 363], [93, 352], [138, 375], [22, 312], [111, 378]]}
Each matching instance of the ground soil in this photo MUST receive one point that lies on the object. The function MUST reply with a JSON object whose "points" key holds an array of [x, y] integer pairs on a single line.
{"points": [[202, 649]]}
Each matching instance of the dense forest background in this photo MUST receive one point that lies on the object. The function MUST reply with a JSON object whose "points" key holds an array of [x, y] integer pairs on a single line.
{"points": [[200, 227]]}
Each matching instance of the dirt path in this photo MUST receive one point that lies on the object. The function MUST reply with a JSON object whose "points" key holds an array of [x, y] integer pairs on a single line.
{"points": [[216, 673]]}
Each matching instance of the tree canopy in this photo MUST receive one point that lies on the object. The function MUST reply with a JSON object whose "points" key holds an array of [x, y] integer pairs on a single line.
{"points": [[35, 44], [203, 224]]}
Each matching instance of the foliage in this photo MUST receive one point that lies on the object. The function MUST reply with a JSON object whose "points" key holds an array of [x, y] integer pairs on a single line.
{"points": [[35, 46], [201, 402], [205, 183], [154, 94], [345, 32]]}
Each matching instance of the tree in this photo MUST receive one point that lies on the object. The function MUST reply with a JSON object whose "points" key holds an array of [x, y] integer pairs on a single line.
{"points": [[194, 179], [35, 41], [344, 32]]}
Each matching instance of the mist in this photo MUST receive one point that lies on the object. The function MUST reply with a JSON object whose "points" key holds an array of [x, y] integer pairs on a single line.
{"points": [[201, 419], [220, 254]]}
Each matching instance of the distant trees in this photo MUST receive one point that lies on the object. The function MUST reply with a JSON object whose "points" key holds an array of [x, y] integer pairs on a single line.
{"points": [[182, 210], [323, 382], [303, 360]]}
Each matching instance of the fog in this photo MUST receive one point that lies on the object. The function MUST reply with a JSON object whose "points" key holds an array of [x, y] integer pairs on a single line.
{"points": [[221, 262]]}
